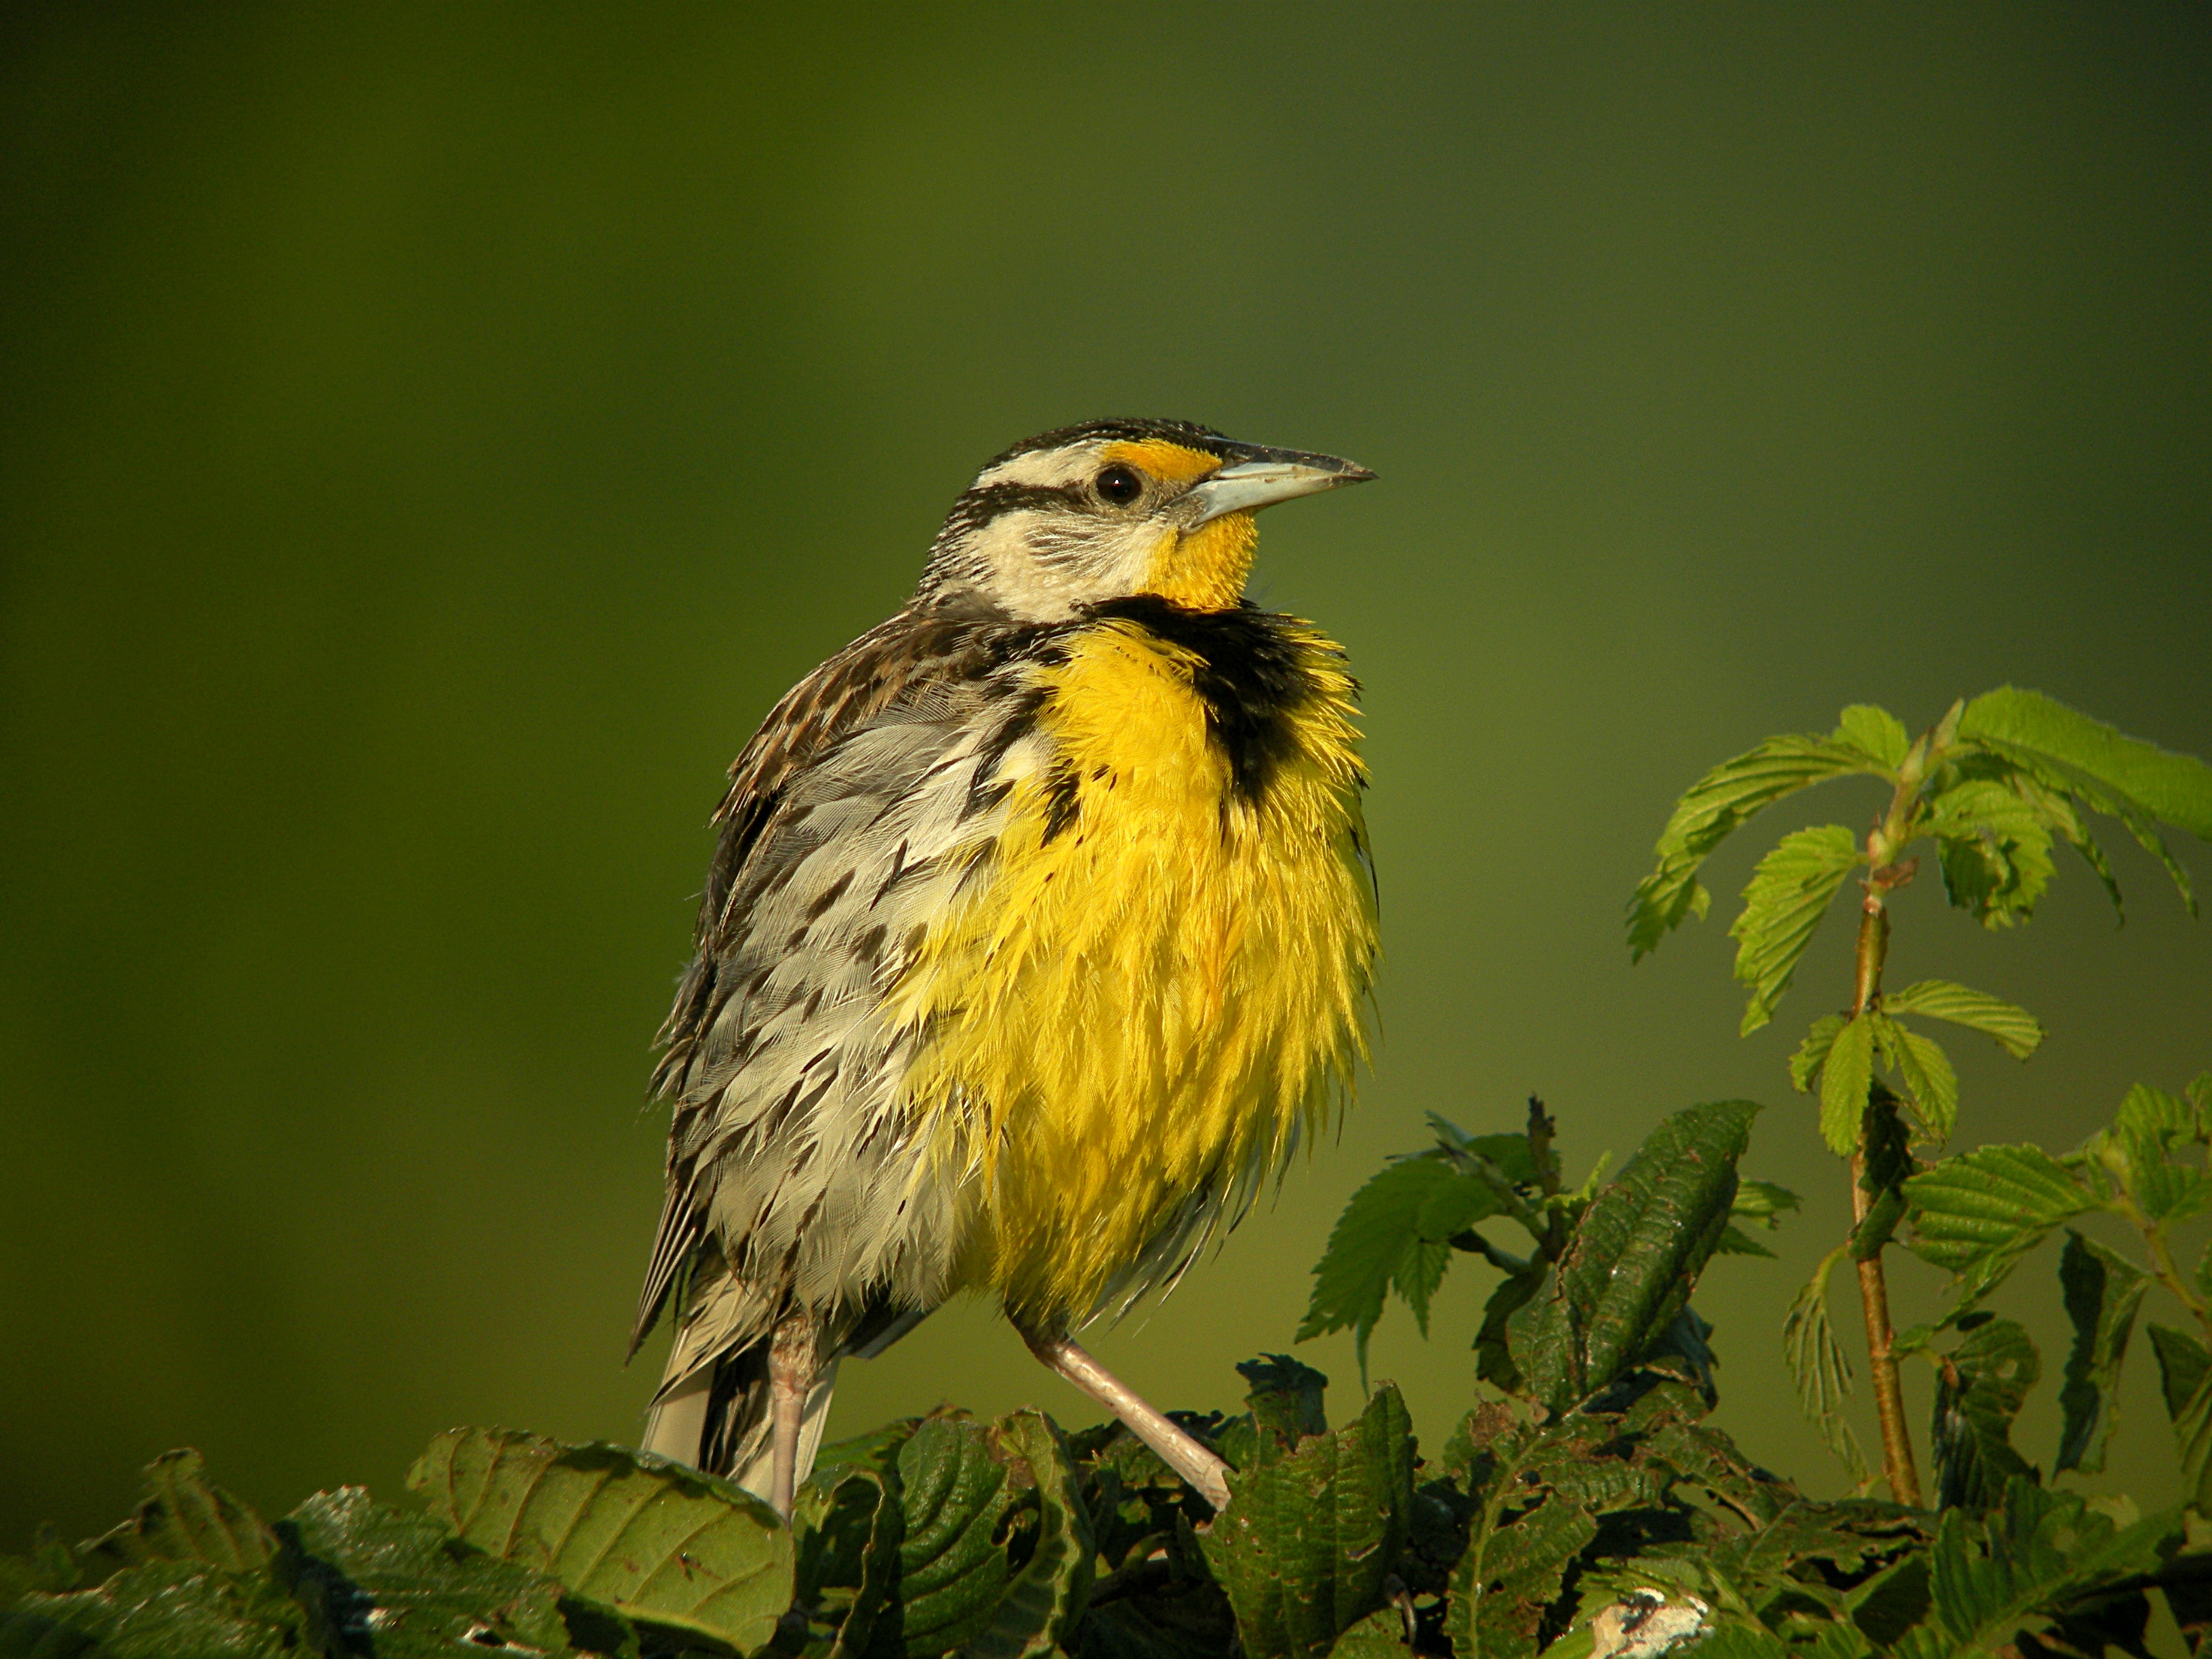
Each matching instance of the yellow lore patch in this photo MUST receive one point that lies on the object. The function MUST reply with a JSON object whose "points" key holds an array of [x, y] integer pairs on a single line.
{"points": [[1157, 985], [1161, 458]]}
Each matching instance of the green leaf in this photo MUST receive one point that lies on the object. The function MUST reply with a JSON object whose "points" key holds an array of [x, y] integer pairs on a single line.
{"points": [[971, 1496], [1639, 1247], [1925, 1069], [2062, 812], [396, 1583], [1493, 1348], [1845, 1077], [1876, 733], [649, 1537], [1783, 902], [165, 1610], [848, 1521], [183, 1518], [51, 1568], [1763, 1201], [2176, 788], [2137, 1152], [1939, 999], [1045, 1600], [1734, 1240], [2069, 753], [2103, 1290], [2165, 1119], [1820, 1367], [1380, 1635], [1977, 1213], [1309, 1538], [1715, 807], [2182, 1365], [1523, 1536], [1980, 1389], [1377, 1243], [1813, 1053], [1286, 1400], [2040, 1550], [1995, 849]]}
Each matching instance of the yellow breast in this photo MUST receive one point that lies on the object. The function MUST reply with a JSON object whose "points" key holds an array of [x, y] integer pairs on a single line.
{"points": [[1162, 979]]}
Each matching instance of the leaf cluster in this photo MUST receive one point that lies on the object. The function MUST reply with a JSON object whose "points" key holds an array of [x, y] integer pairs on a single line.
{"points": [[1997, 784], [1587, 1507], [1980, 1214]]}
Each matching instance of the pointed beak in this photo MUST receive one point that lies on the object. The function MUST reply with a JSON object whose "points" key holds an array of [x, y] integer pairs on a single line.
{"points": [[1269, 476]]}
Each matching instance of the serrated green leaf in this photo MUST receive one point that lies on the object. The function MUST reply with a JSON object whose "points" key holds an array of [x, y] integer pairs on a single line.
{"points": [[1628, 1269], [2176, 787], [2103, 1292], [1813, 1053], [1308, 1539], [2040, 1550], [1521, 1536], [185, 1518], [1380, 1635], [647, 1537], [1765, 1202], [1788, 894], [2017, 1030], [2166, 1119], [1923, 1068], [2199, 1094], [396, 1583], [2136, 783], [1876, 733], [1717, 806], [2063, 814], [1980, 1386], [1377, 1243], [2137, 1150], [1734, 1240], [163, 1609], [1995, 849], [1990, 1206], [1510, 1156], [1819, 1367], [1845, 1077]]}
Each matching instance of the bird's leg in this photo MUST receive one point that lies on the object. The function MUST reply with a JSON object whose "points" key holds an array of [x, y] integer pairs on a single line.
{"points": [[790, 1376], [1177, 1449]]}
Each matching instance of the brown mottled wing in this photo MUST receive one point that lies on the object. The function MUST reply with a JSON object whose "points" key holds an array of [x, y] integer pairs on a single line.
{"points": [[890, 664]]}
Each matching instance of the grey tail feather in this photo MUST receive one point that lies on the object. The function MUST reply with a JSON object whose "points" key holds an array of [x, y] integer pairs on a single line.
{"points": [[718, 1419]]}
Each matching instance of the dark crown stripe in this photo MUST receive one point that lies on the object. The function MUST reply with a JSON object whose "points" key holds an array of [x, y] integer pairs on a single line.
{"points": [[1117, 429]]}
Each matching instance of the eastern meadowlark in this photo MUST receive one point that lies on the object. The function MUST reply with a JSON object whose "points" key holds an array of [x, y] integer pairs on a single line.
{"points": [[1039, 928]]}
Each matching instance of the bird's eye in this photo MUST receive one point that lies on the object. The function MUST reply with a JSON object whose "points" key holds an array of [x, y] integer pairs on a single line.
{"points": [[1120, 485]]}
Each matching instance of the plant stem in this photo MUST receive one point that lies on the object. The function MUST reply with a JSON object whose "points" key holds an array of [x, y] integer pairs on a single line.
{"points": [[1897, 1459], [2165, 1270]]}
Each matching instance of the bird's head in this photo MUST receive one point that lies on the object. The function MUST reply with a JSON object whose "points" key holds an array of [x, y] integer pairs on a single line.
{"points": [[1112, 508]]}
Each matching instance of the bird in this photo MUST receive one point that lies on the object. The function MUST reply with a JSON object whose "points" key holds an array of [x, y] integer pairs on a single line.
{"points": [[1039, 931]]}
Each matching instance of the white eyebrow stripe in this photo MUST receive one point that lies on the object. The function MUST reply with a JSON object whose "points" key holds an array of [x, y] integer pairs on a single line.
{"points": [[1044, 467]]}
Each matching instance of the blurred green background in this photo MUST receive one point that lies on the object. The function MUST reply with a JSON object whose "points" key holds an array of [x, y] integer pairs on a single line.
{"points": [[433, 437]]}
